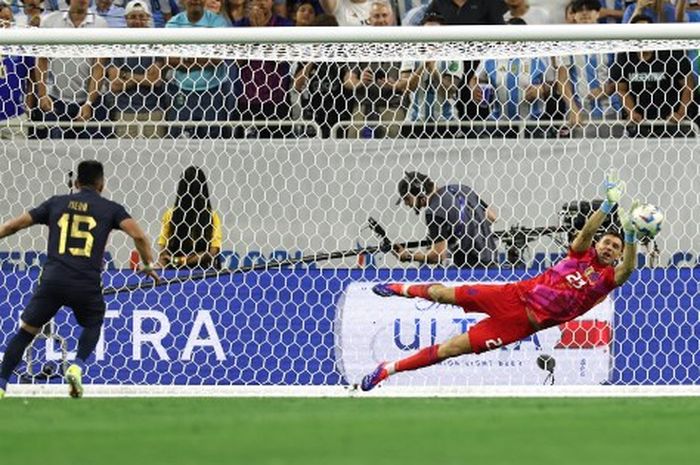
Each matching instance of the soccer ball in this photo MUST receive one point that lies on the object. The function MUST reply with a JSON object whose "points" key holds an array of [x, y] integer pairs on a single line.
{"points": [[647, 220]]}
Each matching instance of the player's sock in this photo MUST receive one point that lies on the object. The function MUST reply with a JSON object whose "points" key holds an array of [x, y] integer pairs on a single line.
{"points": [[86, 345], [422, 358], [13, 353], [415, 290]]}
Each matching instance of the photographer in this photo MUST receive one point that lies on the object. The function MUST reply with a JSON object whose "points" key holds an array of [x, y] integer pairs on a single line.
{"points": [[459, 223]]}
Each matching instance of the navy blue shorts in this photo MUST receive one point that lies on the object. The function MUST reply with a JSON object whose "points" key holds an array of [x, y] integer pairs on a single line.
{"points": [[88, 304]]}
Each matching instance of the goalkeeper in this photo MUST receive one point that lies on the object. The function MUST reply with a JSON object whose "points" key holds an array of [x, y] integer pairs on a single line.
{"points": [[516, 310]]}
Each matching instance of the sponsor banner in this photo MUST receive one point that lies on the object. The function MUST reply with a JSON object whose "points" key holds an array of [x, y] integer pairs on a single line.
{"points": [[371, 329], [296, 327]]}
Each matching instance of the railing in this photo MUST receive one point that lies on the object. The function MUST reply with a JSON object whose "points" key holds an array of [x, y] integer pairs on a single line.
{"points": [[374, 129], [515, 129]]}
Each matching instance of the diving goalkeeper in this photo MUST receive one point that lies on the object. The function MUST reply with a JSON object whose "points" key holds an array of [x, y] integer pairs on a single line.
{"points": [[516, 310]]}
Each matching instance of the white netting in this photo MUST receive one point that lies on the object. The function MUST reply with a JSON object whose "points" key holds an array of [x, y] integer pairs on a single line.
{"points": [[299, 152]]}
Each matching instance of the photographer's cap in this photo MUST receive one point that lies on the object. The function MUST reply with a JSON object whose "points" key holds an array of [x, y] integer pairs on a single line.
{"points": [[413, 183]]}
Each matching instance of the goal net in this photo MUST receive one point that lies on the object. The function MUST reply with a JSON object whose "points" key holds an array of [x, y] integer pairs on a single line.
{"points": [[299, 142]]}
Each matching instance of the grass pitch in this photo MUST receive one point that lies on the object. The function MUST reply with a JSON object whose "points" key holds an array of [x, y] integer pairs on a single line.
{"points": [[178, 431]]}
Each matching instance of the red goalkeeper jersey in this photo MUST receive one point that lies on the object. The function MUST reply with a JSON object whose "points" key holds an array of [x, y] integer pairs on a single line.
{"points": [[568, 289]]}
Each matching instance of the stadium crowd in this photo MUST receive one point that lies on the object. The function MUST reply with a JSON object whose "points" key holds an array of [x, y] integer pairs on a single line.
{"points": [[373, 99]]}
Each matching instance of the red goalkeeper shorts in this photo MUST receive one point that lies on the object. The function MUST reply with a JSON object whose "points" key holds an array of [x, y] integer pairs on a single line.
{"points": [[507, 322]]}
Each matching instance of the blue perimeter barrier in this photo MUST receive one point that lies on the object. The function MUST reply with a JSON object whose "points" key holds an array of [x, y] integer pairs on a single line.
{"points": [[276, 327]]}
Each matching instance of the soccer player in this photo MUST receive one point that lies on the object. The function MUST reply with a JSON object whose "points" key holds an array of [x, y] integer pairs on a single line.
{"points": [[79, 225], [516, 310]]}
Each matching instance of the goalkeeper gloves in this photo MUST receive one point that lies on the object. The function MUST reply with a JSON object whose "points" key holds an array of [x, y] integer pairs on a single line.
{"points": [[614, 188], [626, 221]]}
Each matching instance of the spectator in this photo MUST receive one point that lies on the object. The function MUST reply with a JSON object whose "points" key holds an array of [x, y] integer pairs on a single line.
{"points": [[68, 89], [348, 12], [468, 12], [432, 87], [279, 8], [14, 81], [687, 10], [31, 14], [201, 87], [114, 15], [322, 97], [512, 89], [53, 5], [555, 8], [693, 16], [414, 16], [611, 11], [233, 10], [660, 11], [583, 79], [569, 17], [190, 235], [653, 84], [264, 83], [7, 18], [215, 6], [135, 84], [373, 85], [161, 12], [529, 14], [465, 12], [305, 14]]}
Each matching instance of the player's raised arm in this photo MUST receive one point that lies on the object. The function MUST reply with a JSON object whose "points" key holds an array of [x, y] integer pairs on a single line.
{"points": [[613, 191], [142, 244], [629, 256], [15, 225]]}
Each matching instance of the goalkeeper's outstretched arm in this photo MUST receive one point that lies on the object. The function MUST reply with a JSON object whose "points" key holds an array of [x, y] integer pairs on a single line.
{"points": [[629, 262], [629, 256], [613, 191]]}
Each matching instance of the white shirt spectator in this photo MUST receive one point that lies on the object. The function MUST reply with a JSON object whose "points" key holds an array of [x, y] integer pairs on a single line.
{"points": [[556, 9], [534, 15], [349, 13], [68, 76], [114, 15], [21, 19]]}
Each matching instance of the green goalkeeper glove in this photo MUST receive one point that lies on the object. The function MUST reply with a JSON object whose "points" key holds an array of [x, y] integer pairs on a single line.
{"points": [[626, 221], [614, 188]]}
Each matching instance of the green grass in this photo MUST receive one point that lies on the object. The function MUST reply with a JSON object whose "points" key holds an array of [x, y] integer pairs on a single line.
{"points": [[349, 431]]}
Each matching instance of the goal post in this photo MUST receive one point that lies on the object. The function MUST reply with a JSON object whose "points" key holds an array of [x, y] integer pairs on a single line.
{"points": [[303, 135]]}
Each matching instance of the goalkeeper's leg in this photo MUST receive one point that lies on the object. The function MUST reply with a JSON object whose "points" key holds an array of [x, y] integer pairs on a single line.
{"points": [[508, 322], [433, 292]]}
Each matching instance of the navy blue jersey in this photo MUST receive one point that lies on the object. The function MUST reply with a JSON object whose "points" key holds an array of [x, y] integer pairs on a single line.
{"points": [[456, 214], [79, 225]]}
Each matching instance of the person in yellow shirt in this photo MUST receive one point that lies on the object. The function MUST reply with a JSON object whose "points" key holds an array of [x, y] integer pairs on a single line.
{"points": [[190, 235]]}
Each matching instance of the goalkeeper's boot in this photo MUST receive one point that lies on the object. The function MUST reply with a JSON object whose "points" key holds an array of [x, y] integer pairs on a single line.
{"points": [[2, 393], [371, 381], [388, 289], [74, 377]]}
